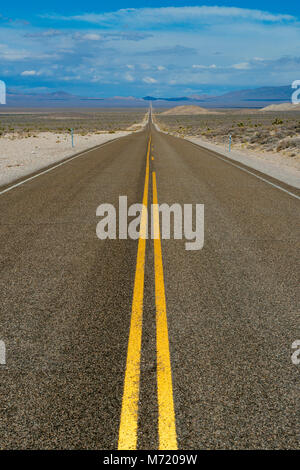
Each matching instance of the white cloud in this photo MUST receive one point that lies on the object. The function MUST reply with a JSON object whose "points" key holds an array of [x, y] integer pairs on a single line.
{"points": [[170, 15], [196, 66], [149, 80], [12, 54], [172, 47], [92, 37], [47, 33], [29, 73], [129, 77], [242, 66], [71, 78]]}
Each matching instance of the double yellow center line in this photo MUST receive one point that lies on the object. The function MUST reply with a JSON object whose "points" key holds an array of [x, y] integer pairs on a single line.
{"points": [[129, 414]]}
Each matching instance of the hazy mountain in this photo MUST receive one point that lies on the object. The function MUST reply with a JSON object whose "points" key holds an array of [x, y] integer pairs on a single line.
{"points": [[65, 100], [253, 98], [257, 97], [250, 98]]}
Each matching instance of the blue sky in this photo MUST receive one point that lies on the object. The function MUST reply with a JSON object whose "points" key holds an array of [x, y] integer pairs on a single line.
{"points": [[148, 48]]}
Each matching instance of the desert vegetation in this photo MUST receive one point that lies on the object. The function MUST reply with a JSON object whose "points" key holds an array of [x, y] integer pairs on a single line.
{"points": [[252, 130], [28, 124]]}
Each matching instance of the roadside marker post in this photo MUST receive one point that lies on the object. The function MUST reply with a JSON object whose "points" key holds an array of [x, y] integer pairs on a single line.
{"points": [[72, 137], [229, 142], [2, 353]]}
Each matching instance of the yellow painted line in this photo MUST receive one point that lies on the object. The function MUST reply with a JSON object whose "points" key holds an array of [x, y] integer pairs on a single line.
{"points": [[166, 414], [129, 413]]}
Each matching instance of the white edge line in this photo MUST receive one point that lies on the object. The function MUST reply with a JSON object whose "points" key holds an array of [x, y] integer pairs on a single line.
{"points": [[247, 171], [59, 164], [216, 155]]}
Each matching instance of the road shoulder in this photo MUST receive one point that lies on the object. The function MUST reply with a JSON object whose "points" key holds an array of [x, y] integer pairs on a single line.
{"points": [[285, 174]]}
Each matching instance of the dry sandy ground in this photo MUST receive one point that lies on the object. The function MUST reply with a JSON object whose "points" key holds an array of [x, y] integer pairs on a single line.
{"points": [[21, 156], [188, 110], [281, 107], [281, 167]]}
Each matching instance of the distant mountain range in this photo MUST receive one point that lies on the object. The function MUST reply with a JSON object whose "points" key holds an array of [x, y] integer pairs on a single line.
{"points": [[252, 98]]}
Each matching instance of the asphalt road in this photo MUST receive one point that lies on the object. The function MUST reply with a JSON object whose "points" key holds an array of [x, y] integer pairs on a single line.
{"points": [[67, 307]]}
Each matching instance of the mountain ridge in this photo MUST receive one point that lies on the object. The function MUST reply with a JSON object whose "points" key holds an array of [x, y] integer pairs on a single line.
{"points": [[247, 98]]}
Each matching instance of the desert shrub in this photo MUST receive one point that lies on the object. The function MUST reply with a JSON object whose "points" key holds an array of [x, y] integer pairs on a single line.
{"points": [[289, 143]]}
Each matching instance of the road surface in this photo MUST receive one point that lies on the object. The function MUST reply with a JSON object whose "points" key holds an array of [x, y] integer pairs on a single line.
{"points": [[84, 320]]}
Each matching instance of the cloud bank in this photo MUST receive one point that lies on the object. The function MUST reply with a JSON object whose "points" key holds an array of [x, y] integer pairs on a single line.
{"points": [[162, 51]]}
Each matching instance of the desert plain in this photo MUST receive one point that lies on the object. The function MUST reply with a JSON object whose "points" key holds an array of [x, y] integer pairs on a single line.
{"points": [[267, 138]]}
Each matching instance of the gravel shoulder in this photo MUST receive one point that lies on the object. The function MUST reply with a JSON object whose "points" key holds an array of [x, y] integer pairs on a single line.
{"points": [[283, 168], [24, 153], [22, 156]]}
